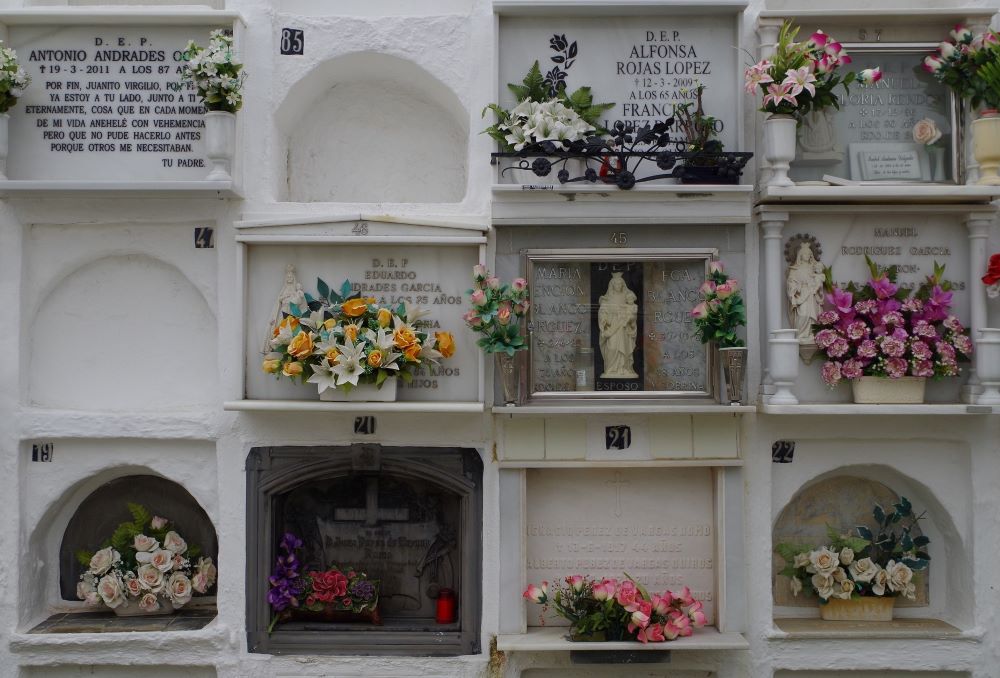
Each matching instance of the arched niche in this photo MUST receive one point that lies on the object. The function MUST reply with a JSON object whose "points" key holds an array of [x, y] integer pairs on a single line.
{"points": [[373, 128], [844, 498], [123, 332], [97, 516]]}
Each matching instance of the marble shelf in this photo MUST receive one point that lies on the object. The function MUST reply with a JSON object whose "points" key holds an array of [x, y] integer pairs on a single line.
{"points": [[40, 423], [888, 193], [924, 409], [118, 189], [553, 639], [411, 407], [897, 629], [620, 407], [677, 462]]}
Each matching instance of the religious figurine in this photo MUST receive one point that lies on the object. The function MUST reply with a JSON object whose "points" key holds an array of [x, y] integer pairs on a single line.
{"points": [[291, 293], [804, 287], [617, 324]]}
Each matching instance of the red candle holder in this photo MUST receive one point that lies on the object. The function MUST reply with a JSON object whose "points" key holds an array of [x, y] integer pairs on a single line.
{"points": [[446, 605]]}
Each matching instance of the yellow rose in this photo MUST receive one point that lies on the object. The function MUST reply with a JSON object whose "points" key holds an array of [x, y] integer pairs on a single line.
{"points": [[384, 317], [445, 343], [354, 307], [351, 332], [271, 366], [301, 345], [412, 352], [329, 324], [288, 322], [332, 356], [375, 358], [292, 369], [404, 337]]}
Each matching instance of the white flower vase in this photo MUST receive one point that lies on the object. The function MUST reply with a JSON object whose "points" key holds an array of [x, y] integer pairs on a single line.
{"points": [[363, 393], [986, 147], [4, 121], [220, 142], [779, 147], [130, 608], [783, 353], [988, 365], [887, 391], [865, 608]]}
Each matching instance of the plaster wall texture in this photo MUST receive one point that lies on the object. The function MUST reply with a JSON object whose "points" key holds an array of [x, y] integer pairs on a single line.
{"points": [[950, 465]]}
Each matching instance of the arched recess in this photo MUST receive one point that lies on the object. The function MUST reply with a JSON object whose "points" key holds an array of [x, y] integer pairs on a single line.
{"points": [[369, 127], [844, 497], [126, 332]]}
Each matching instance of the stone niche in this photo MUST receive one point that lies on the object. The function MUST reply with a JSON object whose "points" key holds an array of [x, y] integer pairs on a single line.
{"points": [[367, 128], [656, 525], [409, 517], [106, 507]]}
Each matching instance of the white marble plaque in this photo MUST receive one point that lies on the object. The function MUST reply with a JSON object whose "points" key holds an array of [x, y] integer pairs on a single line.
{"points": [[656, 525], [433, 278], [889, 162], [645, 65], [106, 103]]}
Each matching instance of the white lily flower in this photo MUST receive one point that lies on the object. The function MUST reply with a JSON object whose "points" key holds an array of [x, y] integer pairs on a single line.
{"points": [[323, 376]]}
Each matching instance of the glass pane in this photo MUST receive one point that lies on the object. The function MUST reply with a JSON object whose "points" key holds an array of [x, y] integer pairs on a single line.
{"points": [[875, 135]]}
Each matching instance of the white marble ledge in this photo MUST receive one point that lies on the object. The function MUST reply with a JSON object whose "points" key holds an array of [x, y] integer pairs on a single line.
{"points": [[897, 629], [18, 188], [173, 15], [901, 16], [644, 191], [887, 193], [620, 407], [182, 647], [553, 639], [925, 409], [676, 462], [35, 423], [419, 407]]}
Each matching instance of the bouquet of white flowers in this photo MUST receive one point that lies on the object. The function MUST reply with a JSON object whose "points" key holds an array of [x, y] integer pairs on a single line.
{"points": [[13, 79], [213, 70], [532, 122]]}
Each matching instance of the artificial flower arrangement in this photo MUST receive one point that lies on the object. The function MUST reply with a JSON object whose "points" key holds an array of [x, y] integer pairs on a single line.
{"points": [[700, 130], [867, 565], [497, 309], [13, 79], [720, 311], [970, 65], [341, 340], [334, 594], [992, 277], [215, 73], [615, 610], [884, 330], [801, 76], [144, 565]]}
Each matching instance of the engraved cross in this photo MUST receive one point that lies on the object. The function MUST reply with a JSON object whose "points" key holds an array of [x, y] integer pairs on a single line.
{"points": [[617, 482]]}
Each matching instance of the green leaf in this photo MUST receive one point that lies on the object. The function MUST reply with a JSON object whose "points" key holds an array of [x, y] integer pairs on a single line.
{"points": [[322, 288], [879, 513], [789, 551], [83, 557], [294, 310], [382, 376], [140, 516], [865, 533], [345, 289], [921, 541], [532, 87]]}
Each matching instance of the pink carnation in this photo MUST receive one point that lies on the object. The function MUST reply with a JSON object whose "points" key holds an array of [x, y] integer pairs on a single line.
{"points": [[867, 349], [839, 348], [826, 338], [952, 323], [866, 307], [922, 328], [828, 317], [963, 344], [892, 347], [831, 372], [857, 330], [923, 368], [895, 368], [920, 350], [893, 318], [852, 369], [946, 350]]}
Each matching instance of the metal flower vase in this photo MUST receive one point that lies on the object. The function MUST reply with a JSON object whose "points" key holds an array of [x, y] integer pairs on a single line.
{"points": [[509, 377], [734, 368]]}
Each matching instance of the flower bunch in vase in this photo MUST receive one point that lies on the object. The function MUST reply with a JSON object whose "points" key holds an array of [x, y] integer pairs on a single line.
{"points": [[613, 610], [144, 568], [215, 73], [992, 277], [340, 340], [884, 330], [497, 310], [877, 563], [333, 594], [720, 310]]}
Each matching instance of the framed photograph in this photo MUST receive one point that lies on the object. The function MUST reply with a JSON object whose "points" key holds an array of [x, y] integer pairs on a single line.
{"points": [[617, 324]]}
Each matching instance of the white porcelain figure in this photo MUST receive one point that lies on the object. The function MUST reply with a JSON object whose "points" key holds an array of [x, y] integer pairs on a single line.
{"points": [[617, 323], [804, 287], [220, 141], [783, 349], [779, 147], [291, 293], [988, 365]]}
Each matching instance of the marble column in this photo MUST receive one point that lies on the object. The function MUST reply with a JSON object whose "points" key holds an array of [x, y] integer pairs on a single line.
{"points": [[767, 33], [979, 231], [772, 224]]}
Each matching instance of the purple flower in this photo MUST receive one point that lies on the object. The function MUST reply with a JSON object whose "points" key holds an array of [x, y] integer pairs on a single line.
{"points": [[362, 590], [892, 347], [883, 287], [866, 306], [841, 300], [895, 368], [828, 317], [923, 368], [867, 349], [890, 305], [937, 305], [857, 330], [852, 369], [831, 373]]}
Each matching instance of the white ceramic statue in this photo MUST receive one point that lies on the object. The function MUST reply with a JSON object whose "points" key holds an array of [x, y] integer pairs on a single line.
{"points": [[617, 317], [804, 286], [291, 293]]}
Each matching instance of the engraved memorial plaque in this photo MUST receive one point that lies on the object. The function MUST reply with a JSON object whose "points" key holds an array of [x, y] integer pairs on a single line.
{"points": [[623, 316], [658, 526], [900, 129]]}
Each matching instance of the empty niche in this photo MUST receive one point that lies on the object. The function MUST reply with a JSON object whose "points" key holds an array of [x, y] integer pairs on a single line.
{"points": [[123, 332], [106, 507], [370, 128]]}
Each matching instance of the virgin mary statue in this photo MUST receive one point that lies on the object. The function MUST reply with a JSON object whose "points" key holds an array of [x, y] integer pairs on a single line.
{"points": [[616, 322], [804, 287]]}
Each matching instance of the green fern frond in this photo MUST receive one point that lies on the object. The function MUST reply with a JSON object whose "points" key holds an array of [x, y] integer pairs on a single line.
{"points": [[83, 557], [532, 87]]}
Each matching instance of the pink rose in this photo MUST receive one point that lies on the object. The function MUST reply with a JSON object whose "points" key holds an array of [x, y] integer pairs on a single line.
{"points": [[179, 588], [685, 596], [661, 604], [158, 523], [174, 542], [133, 587], [604, 590], [926, 132], [521, 307], [144, 543], [479, 298], [707, 287], [149, 603], [504, 314], [727, 289], [639, 619], [493, 283], [696, 614], [479, 272], [111, 590], [627, 593], [519, 284], [537, 594], [715, 267], [199, 582], [700, 311], [651, 634], [576, 582]]}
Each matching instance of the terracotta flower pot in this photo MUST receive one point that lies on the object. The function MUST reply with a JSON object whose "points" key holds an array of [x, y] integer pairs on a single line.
{"points": [[865, 608]]}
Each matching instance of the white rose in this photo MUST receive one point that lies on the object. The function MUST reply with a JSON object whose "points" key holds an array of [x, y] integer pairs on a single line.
{"points": [[796, 586], [824, 561], [926, 132], [150, 578], [179, 588], [133, 587], [162, 560], [173, 542], [104, 560], [824, 585], [846, 556], [879, 582], [899, 576], [110, 590], [158, 523], [801, 560], [86, 588], [149, 603], [863, 570], [144, 543], [843, 589]]}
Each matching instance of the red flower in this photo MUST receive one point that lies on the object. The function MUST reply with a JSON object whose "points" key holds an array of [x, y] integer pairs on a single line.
{"points": [[992, 276], [328, 586], [347, 602]]}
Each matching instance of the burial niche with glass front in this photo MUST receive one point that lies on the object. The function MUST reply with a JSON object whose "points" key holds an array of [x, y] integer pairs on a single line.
{"points": [[364, 550]]}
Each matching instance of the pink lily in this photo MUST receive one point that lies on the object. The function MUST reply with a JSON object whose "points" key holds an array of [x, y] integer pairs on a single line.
{"points": [[756, 76], [778, 93], [800, 79]]}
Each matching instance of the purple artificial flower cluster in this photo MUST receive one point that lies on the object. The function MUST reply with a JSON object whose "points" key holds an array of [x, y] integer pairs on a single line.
{"points": [[362, 590], [881, 330], [286, 578]]}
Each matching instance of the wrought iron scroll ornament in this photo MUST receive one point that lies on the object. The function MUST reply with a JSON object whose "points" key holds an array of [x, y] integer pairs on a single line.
{"points": [[616, 159]]}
